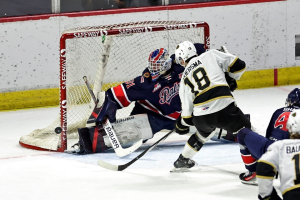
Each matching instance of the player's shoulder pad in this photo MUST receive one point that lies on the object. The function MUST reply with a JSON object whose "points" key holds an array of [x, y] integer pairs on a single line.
{"points": [[177, 68], [199, 48], [276, 145]]}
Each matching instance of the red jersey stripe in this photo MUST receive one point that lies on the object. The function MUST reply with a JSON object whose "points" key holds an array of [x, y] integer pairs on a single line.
{"points": [[120, 96], [149, 106], [248, 159]]}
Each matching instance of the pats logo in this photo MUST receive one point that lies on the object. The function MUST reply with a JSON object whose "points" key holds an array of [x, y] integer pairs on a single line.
{"points": [[167, 93], [205, 108]]}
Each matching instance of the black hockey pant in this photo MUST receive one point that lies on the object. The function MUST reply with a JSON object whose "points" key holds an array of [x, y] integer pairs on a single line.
{"points": [[230, 119]]}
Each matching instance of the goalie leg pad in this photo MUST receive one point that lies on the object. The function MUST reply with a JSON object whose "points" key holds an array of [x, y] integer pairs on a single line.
{"points": [[128, 130], [91, 139], [131, 129]]}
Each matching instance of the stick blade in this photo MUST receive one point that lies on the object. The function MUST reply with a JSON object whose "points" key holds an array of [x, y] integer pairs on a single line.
{"points": [[108, 165], [123, 152]]}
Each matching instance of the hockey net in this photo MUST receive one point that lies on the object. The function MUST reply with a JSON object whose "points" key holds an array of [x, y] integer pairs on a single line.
{"points": [[107, 55]]}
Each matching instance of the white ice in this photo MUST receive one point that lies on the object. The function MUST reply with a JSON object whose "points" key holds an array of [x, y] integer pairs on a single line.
{"points": [[40, 175]]}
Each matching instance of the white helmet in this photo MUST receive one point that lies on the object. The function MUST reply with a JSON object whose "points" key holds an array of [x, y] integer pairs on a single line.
{"points": [[184, 51], [293, 123]]}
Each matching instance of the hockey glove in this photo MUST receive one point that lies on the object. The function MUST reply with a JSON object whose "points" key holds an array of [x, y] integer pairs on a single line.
{"points": [[231, 82], [107, 110], [181, 129], [223, 49], [272, 196]]}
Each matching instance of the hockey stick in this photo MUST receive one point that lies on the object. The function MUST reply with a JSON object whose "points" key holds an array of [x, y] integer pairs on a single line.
{"points": [[115, 142], [122, 167], [90, 90], [111, 133]]}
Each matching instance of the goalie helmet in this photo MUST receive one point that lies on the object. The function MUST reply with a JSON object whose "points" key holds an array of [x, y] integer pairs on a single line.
{"points": [[293, 98], [184, 51], [158, 63], [293, 123]]}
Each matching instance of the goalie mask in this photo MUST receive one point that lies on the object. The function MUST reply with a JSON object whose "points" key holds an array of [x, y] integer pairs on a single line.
{"points": [[184, 51], [293, 98], [293, 123], [158, 63]]}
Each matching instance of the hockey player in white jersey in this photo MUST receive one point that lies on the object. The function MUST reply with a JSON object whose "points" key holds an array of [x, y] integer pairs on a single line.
{"points": [[205, 94], [284, 157]]}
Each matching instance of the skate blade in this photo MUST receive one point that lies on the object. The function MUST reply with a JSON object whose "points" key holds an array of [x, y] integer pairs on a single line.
{"points": [[182, 170], [250, 182], [179, 170], [73, 152], [70, 151]]}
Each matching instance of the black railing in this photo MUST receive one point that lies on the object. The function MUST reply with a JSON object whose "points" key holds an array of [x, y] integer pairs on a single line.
{"points": [[13, 8]]}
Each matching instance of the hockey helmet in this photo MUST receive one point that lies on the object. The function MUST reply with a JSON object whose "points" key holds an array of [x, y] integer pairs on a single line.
{"points": [[293, 123], [184, 51], [158, 63], [293, 98]]}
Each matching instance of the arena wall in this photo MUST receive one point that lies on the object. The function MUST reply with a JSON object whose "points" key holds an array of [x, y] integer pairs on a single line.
{"points": [[260, 32]]}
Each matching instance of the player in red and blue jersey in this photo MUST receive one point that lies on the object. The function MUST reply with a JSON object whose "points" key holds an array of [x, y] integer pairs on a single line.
{"points": [[253, 145]]}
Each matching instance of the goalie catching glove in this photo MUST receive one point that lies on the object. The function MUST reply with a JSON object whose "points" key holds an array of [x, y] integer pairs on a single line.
{"points": [[180, 128]]}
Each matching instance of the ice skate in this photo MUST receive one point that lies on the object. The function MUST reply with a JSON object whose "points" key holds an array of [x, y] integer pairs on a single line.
{"points": [[183, 164], [75, 149], [248, 178]]}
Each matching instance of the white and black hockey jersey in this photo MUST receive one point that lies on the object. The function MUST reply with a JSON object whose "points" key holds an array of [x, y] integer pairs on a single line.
{"points": [[203, 87], [282, 156]]}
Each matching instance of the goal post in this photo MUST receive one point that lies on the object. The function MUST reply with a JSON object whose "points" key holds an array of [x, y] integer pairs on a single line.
{"points": [[107, 55]]}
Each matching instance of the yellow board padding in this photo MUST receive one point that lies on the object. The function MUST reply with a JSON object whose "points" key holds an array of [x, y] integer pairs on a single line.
{"points": [[29, 99], [265, 78], [35, 98], [289, 76], [50, 97], [256, 79]]}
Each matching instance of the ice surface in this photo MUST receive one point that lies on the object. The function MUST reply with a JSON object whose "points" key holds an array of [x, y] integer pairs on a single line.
{"points": [[38, 175]]}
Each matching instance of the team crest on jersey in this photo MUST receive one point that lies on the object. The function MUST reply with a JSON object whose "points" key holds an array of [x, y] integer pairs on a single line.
{"points": [[147, 75], [167, 93], [156, 87]]}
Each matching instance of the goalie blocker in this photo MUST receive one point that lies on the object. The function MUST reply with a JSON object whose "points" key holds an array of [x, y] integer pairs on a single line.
{"points": [[128, 130]]}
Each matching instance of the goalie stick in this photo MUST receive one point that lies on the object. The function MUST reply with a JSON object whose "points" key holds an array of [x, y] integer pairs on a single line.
{"points": [[122, 167], [90, 90], [110, 131]]}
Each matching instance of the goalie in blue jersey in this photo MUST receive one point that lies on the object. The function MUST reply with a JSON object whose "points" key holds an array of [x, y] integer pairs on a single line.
{"points": [[157, 105]]}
